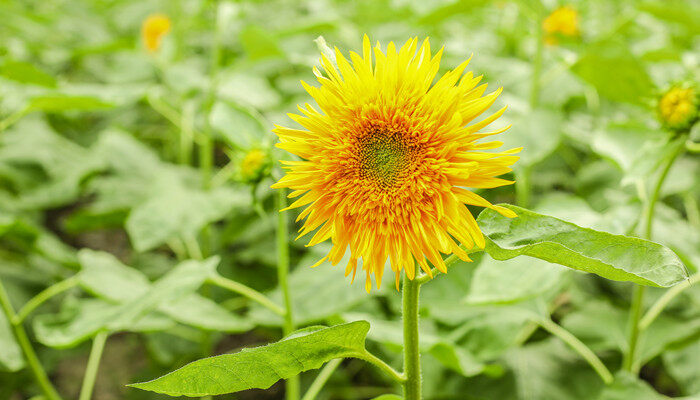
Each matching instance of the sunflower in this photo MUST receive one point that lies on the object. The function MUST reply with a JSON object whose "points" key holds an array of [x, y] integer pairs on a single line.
{"points": [[386, 157], [678, 107], [562, 21], [153, 29]]}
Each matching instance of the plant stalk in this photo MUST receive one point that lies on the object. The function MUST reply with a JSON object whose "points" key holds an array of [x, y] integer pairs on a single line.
{"points": [[579, 347], [292, 389], [321, 379], [248, 292], [629, 363], [43, 296], [411, 348], [29, 354], [98, 344]]}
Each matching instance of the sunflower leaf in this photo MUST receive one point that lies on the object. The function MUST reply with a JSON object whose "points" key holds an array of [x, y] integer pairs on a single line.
{"points": [[261, 367], [614, 257]]}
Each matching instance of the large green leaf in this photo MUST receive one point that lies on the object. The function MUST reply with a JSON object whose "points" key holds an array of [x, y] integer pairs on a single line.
{"points": [[510, 281], [614, 257], [178, 211], [626, 387], [614, 71], [183, 280], [81, 319], [10, 354], [260, 367], [683, 366], [105, 276]]}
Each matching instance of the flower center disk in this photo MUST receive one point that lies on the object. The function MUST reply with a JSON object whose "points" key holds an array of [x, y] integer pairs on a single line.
{"points": [[383, 158]]}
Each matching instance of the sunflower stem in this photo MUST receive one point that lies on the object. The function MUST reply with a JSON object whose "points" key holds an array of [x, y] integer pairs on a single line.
{"points": [[411, 348], [629, 362], [292, 388]]}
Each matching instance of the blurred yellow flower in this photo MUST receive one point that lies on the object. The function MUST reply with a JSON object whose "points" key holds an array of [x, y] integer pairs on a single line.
{"points": [[153, 29], [678, 107], [387, 156], [562, 21], [252, 167]]}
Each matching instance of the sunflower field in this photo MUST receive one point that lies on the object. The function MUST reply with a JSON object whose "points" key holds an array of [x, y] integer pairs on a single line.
{"points": [[350, 200]]}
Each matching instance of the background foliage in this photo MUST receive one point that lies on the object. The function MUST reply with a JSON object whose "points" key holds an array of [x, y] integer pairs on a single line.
{"points": [[123, 178]]}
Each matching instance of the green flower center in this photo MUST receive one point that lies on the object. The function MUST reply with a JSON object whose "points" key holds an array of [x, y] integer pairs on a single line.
{"points": [[382, 158]]}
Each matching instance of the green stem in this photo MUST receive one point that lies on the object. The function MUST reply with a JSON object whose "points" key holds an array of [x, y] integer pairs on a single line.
{"points": [[663, 301], [578, 346], [43, 296], [657, 190], [635, 314], [98, 344], [411, 348], [522, 186], [638, 296], [292, 389], [537, 66], [321, 379], [246, 291], [32, 360], [379, 363]]}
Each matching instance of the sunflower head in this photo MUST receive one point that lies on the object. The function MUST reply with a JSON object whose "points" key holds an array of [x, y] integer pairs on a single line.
{"points": [[254, 166], [387, 156], [153, 29], [563, 21], [678, 107]]}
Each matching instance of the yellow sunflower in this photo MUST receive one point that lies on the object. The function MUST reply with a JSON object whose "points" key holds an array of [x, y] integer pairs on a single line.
{"points": [[386, 157], [153, 29]]}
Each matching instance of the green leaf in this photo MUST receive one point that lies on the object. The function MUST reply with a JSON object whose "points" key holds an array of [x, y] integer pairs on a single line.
{"points": [[259, 43], [79, 320], [388, 397], [181, 281], [683, 366], [24, 72], [105, 276], [615, 72], [510, 281], [238, 125], [614, 257], [320, 293], [203, 313], [261, 367], [60, 103], [11, 358], [178, 211], [627, 386], [538, 132]]}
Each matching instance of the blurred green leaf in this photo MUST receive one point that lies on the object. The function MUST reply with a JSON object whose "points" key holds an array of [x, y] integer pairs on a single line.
{"points": [[104, 276], [81, 319], [176, 211], [513, 280], [60, 103], [24, 72], [614, 257], [260, 367], [626, 386], [238, 126], [615, 72], [537, 131], [11, 358], [181, 281], [683, 366], [259, 43], [388, 397]]}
